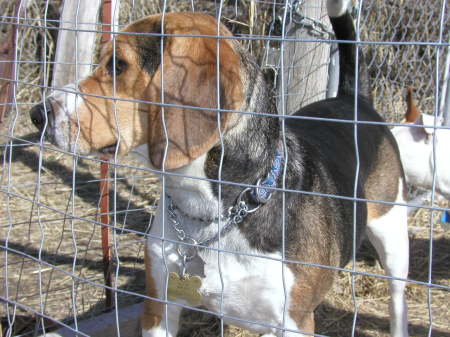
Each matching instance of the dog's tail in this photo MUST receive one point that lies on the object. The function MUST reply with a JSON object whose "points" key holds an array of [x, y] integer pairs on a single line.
{"points": [[344, 30]]}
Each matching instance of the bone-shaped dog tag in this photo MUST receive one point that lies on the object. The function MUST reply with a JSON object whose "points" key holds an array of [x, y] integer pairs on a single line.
{"points": [[186, 288]]}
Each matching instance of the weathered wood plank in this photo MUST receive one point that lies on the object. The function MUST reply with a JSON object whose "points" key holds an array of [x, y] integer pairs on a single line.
{"points": [[306, 63]]}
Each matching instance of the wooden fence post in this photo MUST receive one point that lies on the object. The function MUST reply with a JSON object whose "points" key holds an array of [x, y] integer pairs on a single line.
{"points": [[306, 63], [76, 41]]}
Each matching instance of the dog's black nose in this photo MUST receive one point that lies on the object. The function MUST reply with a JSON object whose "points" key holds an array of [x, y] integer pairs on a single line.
{"points": [[38, 114]]}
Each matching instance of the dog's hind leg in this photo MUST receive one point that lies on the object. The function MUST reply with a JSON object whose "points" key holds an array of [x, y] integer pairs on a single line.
{"points": [[389, 235]]}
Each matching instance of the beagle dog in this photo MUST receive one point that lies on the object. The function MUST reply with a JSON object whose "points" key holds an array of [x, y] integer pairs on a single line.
{"points": [[257, 210]]}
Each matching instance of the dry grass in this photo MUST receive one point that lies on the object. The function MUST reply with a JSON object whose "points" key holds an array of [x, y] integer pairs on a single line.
{"points": [[56, 221]]}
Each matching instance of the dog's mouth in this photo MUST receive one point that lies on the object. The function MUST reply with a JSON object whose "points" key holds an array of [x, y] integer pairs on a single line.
{"points": [[109, 150]]}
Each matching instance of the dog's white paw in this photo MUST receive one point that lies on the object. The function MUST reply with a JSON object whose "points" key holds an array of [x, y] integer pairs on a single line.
{"points": [[156, 332]]}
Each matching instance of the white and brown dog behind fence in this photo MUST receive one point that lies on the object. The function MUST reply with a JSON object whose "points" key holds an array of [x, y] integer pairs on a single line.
{"points": [[424, 149], [261, 258]]}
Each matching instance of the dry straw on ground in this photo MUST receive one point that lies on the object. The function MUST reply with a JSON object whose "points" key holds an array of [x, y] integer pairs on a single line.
{"points": [[48, 222]]}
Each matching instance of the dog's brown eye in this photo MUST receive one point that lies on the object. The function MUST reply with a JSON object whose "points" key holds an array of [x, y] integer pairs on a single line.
{"points": [[120, 66]]}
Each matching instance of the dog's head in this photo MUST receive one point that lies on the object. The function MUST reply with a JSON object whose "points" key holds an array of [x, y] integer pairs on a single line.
{"points": [[138, 95]]}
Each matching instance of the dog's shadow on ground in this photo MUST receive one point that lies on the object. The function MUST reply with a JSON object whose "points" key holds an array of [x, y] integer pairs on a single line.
{"points": [[420, 261], [419, 258]]}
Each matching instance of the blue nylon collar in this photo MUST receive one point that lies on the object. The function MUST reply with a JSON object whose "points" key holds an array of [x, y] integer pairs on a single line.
{"points": [[261, 194]]}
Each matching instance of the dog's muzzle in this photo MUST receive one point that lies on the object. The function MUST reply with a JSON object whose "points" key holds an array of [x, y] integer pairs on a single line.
{"points": [[41, 114]]}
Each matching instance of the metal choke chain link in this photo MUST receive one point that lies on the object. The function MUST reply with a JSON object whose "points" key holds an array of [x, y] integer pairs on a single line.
{"points": [[238, 212], [187, 252], [176, 224]]}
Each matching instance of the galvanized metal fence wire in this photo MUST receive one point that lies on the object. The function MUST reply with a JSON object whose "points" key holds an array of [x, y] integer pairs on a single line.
{"points": [[416, 23], [52, 269]]}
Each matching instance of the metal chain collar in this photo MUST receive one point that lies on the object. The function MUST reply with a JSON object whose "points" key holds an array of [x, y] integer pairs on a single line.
{"points": [[259, 195], [188, 247]]}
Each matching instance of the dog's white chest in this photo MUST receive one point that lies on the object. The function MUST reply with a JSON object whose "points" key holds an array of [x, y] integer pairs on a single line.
{"points": [[252, 288]]}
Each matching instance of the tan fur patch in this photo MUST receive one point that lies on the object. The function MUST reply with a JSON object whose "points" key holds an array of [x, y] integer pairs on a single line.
{"points": [[387, 169], [190, 79], [152, 313], [100, 118], [311, 286]]}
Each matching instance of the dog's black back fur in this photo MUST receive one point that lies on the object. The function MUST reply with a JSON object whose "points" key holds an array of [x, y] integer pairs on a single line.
{"points": [[321, 158], [329, 155]]}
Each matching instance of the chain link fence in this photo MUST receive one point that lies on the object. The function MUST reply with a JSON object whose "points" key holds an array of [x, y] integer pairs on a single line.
{"points": [[50, 217]]}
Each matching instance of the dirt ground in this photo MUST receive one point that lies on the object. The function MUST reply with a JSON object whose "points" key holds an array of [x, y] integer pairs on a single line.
{"points": [[51, 254]]}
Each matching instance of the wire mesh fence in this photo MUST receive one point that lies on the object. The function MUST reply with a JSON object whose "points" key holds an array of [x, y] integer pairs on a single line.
{"points": [[50, 215]]}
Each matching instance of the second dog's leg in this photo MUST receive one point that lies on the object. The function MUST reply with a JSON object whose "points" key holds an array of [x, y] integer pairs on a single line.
{"points": [[389, 236]]}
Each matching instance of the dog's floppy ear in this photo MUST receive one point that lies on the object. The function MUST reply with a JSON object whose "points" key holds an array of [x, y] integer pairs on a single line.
{"points": [[190, 79]]}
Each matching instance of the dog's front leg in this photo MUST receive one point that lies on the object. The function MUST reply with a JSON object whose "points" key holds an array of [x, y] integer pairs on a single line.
{"points": [[158, 319]]}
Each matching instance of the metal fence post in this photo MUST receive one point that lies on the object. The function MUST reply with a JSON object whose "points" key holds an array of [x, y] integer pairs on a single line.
{"points": [[445, 102], [104, 178], [7, 53]]}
